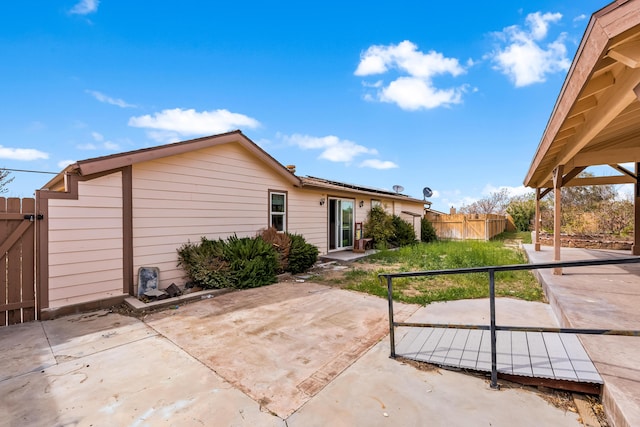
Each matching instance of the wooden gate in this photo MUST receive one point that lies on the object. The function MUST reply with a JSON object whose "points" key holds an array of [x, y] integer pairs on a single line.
{"points": [[17, 260]]}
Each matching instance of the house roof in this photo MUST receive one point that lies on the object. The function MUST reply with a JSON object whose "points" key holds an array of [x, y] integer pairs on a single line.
{"points": [[596, 118], [325, 184], [103, 164]]}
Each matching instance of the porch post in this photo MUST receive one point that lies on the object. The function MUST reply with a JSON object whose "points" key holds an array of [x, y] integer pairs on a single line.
{"points": [[536, 220], [557, 215], [635, 248]]}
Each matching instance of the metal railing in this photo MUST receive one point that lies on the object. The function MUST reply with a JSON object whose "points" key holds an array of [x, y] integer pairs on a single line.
{"points": [[492, 303]]}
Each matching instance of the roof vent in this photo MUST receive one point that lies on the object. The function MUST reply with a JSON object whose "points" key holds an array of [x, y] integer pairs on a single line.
{"points": [[291, 168]]}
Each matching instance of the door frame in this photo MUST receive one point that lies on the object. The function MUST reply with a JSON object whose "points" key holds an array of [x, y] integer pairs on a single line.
{"points": [[334, 223]]}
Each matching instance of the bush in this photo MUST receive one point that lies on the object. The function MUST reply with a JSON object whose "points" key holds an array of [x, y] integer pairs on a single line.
{"points": [[245, 262], [302, 255], [403, 232], [427, 232], [379, 227], [237, 262], [205, 264], [281, 242], [253, 261], [523, 211]]}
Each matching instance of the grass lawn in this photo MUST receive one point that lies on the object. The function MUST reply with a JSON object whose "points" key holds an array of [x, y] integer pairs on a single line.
{"points": [[363, 275]]}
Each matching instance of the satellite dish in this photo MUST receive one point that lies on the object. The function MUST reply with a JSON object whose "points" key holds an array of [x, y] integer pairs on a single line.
{"points": [[398, 188], [426, 192]]}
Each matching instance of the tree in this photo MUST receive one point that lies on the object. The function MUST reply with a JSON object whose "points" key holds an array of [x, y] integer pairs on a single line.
{"points": [[588, 198], [590, 209], [5, 180], [616, 217], [494, 203], [428, 232], [523, 210]]}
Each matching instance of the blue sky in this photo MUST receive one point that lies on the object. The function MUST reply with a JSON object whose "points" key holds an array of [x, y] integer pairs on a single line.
{"points": [[453, 96]]}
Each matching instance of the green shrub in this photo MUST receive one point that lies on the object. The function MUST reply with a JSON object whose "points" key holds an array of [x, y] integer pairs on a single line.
{"points": [[403, 232], [204, 264], [236, 262], [427, 232], [302, 255], [379, 227], [253, 261], [523, 211]]}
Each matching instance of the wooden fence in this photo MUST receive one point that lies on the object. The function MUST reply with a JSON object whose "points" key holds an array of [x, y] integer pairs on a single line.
{"points": [[17, 261], [468, 227]]}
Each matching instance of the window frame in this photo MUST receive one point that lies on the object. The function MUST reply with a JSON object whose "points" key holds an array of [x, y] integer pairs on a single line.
{"points": [[285, 214]]}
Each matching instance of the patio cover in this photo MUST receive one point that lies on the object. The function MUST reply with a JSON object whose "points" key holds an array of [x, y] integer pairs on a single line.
{"points": [[596, 118]]}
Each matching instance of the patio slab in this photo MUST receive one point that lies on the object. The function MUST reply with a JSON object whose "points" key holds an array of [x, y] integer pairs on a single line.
{"points": [[145, 382], [116, 370], [379, 391], [601, 297], [280, 344], [80, 335], [24, 349]]}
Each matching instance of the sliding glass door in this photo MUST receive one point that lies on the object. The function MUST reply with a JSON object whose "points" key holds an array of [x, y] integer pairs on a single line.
{"points": [[341, 223]]}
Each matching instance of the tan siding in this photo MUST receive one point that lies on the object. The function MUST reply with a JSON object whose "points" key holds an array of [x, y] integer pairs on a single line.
{"points": [[308, 218], [415, 208], [84, 292], [214, 192], [82, 255], [85, 243]]}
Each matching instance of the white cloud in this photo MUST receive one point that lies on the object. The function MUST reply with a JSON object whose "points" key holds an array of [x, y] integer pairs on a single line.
{"points": [[457, 199], [109, 100], [378, 164], [524, 58], [26, 154], [520, 190], [100, 142], [111, 146], [171, 125], [415, 89], [459, 202], [579, 18], [333, 148], [164, 136], [84, 7], [411, 93], [64, 163]]}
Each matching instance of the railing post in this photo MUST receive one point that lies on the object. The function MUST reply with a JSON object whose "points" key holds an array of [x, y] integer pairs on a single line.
{"points": [[494, 354], [392, 339]]}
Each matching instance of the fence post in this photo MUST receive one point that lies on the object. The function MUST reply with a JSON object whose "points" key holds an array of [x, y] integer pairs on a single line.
{"points": [[392, 339], [464, 228], [494, 355]]}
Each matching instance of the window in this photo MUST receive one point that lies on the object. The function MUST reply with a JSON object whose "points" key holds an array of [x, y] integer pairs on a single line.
{"points": [[278, 210], [375, 203]]}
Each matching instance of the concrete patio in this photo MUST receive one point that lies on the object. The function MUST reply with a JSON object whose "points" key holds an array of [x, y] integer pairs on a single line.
{"points": [[294, 354], [601, 297]]}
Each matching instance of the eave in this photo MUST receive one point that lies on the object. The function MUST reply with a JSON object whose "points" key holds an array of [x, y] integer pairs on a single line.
{"points": [[596, 118]]}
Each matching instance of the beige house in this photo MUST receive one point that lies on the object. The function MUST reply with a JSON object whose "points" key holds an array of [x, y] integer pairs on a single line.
{"points": [[106, 217]]}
